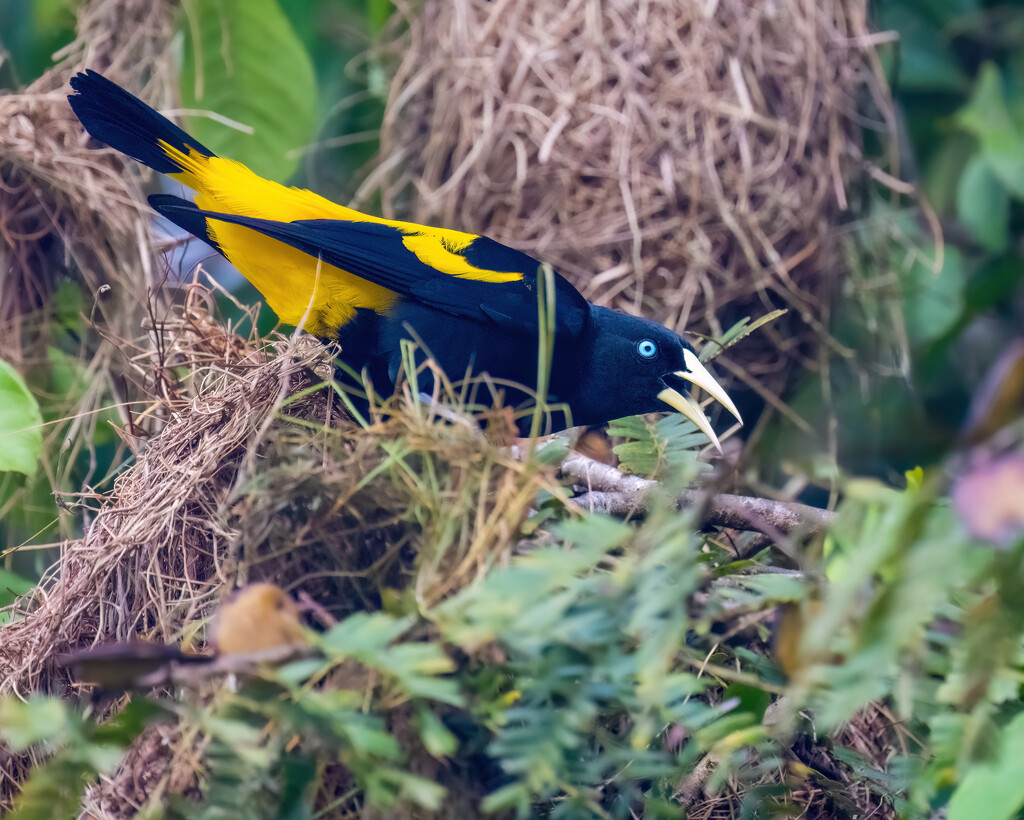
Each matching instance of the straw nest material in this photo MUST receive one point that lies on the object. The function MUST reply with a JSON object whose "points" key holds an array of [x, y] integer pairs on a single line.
{"points": [[70, 212], [258, 473], [685, 161], [66, 208]]}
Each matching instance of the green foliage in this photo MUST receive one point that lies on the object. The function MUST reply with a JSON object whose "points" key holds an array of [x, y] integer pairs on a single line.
{"points": [[983, 204], [658, 448], [588, 677], [593, 665], [30, 32], [923, 319], [414, 667], [997, 784], [78, 751], [997, 122], [21, 423], [11, 586], [743, 328], [244, 62], [59, 381], [252, 762]]}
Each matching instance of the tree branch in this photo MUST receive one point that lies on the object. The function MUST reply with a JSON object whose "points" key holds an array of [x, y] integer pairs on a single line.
{"points": [[612, 492]]}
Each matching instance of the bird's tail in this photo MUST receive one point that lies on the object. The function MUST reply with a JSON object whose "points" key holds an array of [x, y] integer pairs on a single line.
{"points": [[115, 117]]}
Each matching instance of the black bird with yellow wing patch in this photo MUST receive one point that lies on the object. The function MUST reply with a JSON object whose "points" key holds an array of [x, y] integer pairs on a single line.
{"points": [[369, 282]]}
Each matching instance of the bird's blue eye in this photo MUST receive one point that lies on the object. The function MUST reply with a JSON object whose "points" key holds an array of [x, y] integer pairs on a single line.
{"points": [[647, 348]]}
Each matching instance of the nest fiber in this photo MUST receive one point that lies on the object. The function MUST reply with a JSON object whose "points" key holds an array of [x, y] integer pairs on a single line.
{"points": [[685, 161]]}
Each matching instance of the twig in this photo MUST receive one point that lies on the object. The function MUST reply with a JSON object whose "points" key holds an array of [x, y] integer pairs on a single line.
{"points": [[610, 491], [690, 790]]}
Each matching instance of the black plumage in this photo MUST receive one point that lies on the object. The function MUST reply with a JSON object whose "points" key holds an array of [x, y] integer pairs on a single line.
{"points": [[369, 283]]}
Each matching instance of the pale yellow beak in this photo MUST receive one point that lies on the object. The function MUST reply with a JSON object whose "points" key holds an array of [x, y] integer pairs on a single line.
{"points": [[697, 374]]}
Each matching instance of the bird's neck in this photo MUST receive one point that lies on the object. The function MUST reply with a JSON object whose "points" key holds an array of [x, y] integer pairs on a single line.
{"points": [[581, 369]]}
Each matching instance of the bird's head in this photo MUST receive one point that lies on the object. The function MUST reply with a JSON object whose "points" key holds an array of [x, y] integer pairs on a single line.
{"points": [[640, 366]]}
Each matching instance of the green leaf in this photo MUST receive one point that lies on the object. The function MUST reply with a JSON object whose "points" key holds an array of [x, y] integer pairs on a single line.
{"points": [[53, 790], [371, 739], [39, 719], [994, 790], [435, 735], [21, 430], [926, 61], [298, 774], [752, 699], [983, 205], [933, 302], [987, 116], [11, 587], [743, 328], [415, 667], [244, 61], [659, 448]]}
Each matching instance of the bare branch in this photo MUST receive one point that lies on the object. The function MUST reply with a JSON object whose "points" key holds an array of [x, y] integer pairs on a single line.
{"points": [[612, 492]]}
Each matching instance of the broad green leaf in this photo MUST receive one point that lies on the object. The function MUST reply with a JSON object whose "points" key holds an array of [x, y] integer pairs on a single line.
{"points": [[933, 302], [994, 790], [926, 61], [21, 424], [987, 116], [243, 61], [983, 205]]}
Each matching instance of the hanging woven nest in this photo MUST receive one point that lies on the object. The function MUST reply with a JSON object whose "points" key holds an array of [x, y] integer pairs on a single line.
{"points": [[685, 161]]}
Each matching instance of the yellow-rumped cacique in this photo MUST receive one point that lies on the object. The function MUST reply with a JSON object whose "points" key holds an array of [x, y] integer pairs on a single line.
{"points": [[368, 283]]}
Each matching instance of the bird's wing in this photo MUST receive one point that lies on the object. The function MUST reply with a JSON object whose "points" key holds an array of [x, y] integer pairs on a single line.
{"points": [[479, 279], [384, 256]]}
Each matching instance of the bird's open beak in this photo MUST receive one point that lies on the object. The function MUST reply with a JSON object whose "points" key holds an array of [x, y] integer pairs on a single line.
{"points": [[697, 374]]}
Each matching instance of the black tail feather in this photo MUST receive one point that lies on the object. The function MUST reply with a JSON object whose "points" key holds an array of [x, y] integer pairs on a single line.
{"points": [[185, 215], [114, 117]]}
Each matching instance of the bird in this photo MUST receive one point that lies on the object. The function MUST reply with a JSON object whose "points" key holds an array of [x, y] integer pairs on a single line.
{"points": [[257, 623], [257, 618], [372, 285]]}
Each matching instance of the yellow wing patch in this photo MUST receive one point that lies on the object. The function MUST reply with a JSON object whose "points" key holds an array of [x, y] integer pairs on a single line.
{"points": [[285, 275], [434, 251]]}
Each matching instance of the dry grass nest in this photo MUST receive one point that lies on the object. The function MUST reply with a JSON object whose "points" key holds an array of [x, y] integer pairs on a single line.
{"points": [[69, 211], [257, 472], [689, 162]]}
